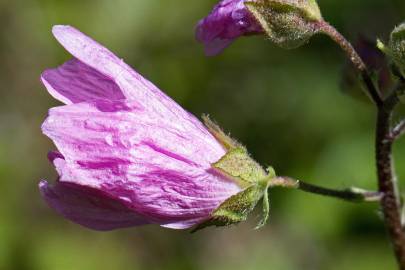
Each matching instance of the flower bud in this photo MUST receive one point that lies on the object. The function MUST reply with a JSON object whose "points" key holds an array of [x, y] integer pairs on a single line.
{"points": [[397, 46], [288, 23], [128, 155]]}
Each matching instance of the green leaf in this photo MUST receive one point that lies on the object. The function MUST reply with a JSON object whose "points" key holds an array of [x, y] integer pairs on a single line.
{"points": [[235, 209], [287, 23], [238, 165]]}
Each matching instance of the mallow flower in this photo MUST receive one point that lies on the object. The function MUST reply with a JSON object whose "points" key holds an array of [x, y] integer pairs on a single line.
{"points": [[228, 20], [129, 155]]}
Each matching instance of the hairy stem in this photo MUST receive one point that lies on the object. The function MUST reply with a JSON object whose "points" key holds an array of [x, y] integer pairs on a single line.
{"points": [[354, 57], [351, 194], [390, 202]]}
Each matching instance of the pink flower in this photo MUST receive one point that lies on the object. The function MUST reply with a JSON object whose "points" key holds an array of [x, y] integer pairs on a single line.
{"points": [[127, 154], [228, 20]]}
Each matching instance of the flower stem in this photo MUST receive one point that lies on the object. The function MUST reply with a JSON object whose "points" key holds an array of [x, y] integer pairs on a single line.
{"points": [[351, 194], [354, 57]]}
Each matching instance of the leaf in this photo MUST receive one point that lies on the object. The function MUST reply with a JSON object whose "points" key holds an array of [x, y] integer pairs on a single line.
{"points": [[235, 209]]}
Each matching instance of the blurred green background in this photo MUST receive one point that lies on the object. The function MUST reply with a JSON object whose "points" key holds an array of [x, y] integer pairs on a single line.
{"points": [[286, 106]]}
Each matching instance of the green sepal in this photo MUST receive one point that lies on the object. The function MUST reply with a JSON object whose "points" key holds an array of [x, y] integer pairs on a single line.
{"points": [[287, 23], [225, 140], [312, 11], [266, 210], [381, 46], [238, 165], [235, 209]]}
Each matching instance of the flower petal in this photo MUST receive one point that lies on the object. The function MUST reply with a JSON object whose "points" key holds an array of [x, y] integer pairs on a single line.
{"points": [[216, 46], [159, 168], [75, 82], [227, 21], [89, 207], [132, 85]]}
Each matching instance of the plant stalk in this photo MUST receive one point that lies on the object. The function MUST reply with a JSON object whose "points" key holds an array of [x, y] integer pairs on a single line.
{"points": [[352, 194], [387, 182]]}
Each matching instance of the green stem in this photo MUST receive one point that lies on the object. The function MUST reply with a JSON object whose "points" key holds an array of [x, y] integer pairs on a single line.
{"points": [[351, 194]]}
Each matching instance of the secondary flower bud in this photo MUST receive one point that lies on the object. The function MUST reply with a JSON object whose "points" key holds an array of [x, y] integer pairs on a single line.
{"points": [[288, 23], [397, 46]]}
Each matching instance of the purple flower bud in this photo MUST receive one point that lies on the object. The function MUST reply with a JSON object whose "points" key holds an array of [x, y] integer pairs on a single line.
{"points": [[228, 20], [127, 154]]}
